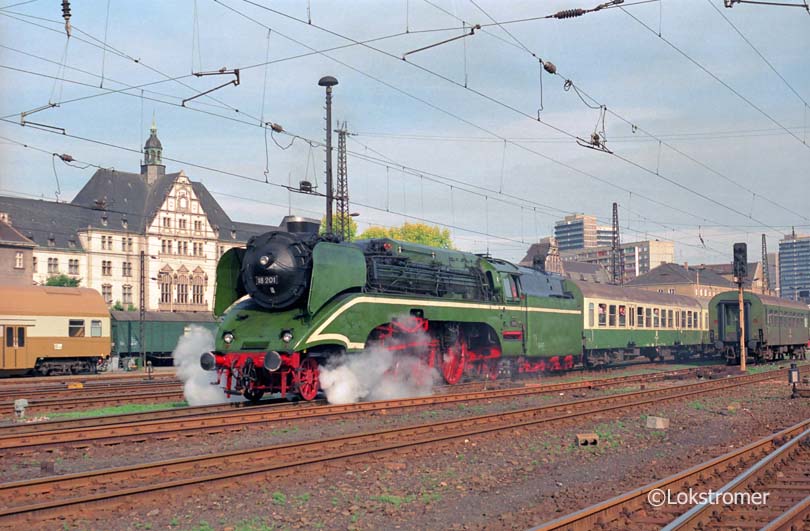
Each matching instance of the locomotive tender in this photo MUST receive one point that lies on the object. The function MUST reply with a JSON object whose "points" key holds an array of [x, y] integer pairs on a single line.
{"points": [[290, 302]]}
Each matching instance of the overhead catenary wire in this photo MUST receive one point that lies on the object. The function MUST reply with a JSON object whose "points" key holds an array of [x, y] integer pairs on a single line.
{"points": [[756, 50], [718, 79], [496, 101]]}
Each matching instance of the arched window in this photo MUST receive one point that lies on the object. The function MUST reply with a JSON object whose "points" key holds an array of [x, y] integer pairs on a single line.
{"points": [[198, 284], [182, 289], [165, 281]]}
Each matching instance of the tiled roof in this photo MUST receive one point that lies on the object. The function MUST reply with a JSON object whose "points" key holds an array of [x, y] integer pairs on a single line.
{"points": [[113, 201], [11, 236], [668, 274]]}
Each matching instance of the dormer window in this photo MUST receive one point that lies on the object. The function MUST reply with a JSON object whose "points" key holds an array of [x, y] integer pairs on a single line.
{"points": [[51, 241], [104, 219], [124, 222], [233, 234]]}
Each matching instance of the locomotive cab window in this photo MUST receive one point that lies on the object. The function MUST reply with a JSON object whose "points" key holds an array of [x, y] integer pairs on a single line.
{"points": [[76, 328], [510, 290]]}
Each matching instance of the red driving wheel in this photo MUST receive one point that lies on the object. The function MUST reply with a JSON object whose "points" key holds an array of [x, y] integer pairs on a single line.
{"points": [[308, 382], [453, 361]]}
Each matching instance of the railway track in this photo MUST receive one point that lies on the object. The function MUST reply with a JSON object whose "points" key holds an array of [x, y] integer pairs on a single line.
{"points": [[82, 401], [8, 396], [86, 379], [762, 462], [75, 496], [187, 421], [784, 474]]}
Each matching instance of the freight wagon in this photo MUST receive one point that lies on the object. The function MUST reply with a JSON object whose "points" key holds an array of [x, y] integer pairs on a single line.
{"points": [[161, 332]]}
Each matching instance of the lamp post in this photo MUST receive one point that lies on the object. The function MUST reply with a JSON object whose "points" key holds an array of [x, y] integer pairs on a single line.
{"points": [[142, 308], [328, 82]]}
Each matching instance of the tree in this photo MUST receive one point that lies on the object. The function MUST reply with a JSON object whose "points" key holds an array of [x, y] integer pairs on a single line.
{"points": [[412, 232], [119, 307], [63, 281], [335, 218]]}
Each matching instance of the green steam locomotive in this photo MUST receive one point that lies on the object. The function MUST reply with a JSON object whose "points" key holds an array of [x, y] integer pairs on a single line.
{"points": [[291, 302]]}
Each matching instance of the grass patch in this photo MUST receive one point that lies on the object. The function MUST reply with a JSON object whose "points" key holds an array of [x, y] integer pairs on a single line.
{"points": [[115, 410], [279, 498], [697, 405], [396, 501]]}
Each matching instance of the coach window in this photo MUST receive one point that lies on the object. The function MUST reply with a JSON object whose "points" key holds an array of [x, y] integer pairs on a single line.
{"points": [[612, 315], [683, 320], [669, 319], [602, 314], [632, 313], [640, 314], [688, 319], [95, 328], [590, 315], [9, 336], [648, 317], [21, 337], [76, 328], [622, 316], [655, 317]]}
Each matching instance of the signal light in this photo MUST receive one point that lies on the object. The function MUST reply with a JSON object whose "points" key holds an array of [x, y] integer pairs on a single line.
{"points": [[740, 268]]}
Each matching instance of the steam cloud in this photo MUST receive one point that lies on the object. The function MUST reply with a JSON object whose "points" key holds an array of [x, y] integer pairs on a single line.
{"points": [[376, 374], [197, 386]]}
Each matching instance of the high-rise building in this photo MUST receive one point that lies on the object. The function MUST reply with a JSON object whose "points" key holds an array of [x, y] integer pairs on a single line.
{"points": [[580, 231], [794, 267]]}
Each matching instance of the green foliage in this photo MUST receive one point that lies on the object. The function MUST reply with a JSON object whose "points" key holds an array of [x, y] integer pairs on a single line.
{"points": [[63, 281], [420, 233], [396, 501], [116, 410], [335, 218], [119, 307], [279, 498]]}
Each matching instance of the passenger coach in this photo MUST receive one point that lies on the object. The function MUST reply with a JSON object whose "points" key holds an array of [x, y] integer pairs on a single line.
{"points": [[774, 327], [623, 323], [50, 330]]}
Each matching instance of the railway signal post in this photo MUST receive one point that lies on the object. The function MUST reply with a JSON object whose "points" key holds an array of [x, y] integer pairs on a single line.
{"points": [[740, 271]]}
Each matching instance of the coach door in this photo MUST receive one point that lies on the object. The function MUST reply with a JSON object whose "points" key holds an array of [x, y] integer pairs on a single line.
{"points": [[15, 342]]}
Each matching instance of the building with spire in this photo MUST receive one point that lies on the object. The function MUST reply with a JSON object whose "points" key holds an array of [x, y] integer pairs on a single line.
{"points": [[99, 236]]}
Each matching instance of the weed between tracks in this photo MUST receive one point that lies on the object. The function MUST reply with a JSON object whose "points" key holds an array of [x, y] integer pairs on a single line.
{"points": [[115, 410]]}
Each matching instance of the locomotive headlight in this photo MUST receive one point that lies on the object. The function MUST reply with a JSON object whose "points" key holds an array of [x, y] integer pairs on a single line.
{"points": [[227, 337], [286, 336], [266, 260]]}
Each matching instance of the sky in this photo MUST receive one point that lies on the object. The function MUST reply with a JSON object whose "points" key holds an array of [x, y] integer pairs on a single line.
{"points": [[703, 108]]}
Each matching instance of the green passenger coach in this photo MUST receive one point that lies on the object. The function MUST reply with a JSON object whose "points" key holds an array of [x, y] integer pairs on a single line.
{"points": [[774, 327]]}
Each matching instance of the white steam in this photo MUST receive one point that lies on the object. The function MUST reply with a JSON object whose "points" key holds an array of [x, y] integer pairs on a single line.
{"points": [[197, 386], [376, 374]]}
